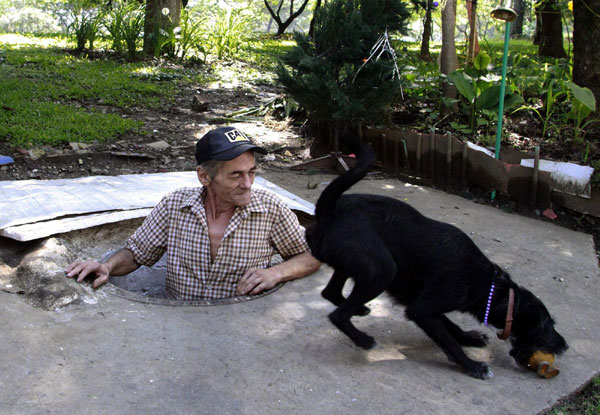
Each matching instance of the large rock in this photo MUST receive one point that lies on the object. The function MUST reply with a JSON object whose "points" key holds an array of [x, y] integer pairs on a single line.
{"points": [[41, 277]]}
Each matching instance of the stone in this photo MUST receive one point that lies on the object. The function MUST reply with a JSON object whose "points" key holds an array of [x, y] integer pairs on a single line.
{"points": [[36, 153], [198, 105], [159, 145], [41, 277]]}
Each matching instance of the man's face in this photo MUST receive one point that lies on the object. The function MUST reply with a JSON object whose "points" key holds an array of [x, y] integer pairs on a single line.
{"points": [[232, 183]]}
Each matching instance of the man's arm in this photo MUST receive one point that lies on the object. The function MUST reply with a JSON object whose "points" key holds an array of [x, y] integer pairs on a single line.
{"points": [[121, 263], [256, 280]]}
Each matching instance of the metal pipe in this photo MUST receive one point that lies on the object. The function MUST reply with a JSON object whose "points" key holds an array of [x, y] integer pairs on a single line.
{"points": [[507, 15]]}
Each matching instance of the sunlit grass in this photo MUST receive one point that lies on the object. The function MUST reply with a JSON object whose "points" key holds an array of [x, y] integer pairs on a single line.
{"points": [[587, 403], [51, 96]]}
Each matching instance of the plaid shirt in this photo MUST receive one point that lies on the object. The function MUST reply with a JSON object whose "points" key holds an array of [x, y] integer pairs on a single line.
{"points": [[178, 225]]}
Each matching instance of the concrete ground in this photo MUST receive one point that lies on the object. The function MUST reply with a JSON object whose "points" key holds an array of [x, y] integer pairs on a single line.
{"points": [[280, 354]]}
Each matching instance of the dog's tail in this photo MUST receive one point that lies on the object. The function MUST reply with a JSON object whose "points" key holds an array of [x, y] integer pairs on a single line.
{"points": [[364, 159]]}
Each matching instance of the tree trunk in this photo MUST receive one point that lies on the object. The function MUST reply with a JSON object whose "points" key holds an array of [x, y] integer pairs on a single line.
{"points": [[427, 29], [551, 39], [586, 53], [282, 25], [448, 58], [516, 26], [473, 40], [311, 29], [537, 33], [158, 24]]}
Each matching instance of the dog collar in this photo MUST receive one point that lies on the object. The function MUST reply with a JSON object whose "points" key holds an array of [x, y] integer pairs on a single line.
{"points": [[509, 311], [509, 316]]}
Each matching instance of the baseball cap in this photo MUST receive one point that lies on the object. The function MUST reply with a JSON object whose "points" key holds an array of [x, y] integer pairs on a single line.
{"points": [[224, 143]]}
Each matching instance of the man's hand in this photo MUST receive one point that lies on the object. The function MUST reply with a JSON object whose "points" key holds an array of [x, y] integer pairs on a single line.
{"points": [[121, 263], [256, 280], [83, 269]]}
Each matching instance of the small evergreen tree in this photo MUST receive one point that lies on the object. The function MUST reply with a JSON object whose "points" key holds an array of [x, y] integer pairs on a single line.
{"points": [[327, 73]]}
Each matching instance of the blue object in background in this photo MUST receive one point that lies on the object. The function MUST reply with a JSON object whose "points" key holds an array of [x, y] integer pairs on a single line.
{"points": [[6, 160]]}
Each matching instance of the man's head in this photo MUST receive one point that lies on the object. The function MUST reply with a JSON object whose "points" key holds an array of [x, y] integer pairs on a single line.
{"points": [[226, 165], [224, 143]]}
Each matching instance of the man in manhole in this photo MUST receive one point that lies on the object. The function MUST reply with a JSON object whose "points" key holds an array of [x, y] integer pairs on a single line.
{"points": [[219, 238]]}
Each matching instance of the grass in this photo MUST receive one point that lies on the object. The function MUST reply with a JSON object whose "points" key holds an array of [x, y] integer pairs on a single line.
{"points": [[585, 403], [52, 97]]}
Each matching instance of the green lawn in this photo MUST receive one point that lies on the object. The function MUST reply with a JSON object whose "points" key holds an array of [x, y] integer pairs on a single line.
{"points": [[49, 96]]}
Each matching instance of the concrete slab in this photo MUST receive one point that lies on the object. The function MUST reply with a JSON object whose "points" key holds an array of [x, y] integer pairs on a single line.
{"points": [[279, 353]]}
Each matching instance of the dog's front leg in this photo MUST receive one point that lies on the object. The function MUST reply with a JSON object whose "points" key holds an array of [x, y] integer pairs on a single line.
{"points": [[472, 338], [435, 328]]}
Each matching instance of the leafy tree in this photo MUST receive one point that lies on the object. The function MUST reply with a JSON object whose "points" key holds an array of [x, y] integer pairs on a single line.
{"points": [[333, 75]]}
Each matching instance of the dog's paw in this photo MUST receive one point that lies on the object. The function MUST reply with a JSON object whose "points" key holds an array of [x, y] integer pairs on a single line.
{"points": [[365, 341], [481, 371], [363, 310], [474, 338]]}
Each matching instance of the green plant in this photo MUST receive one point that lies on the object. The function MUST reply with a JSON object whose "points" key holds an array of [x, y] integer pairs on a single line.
{"points": [[480, 89], [112, 20], [189, 34], [228, 33], [549, 107], [131, 27], [85, 27], [582, 105]]}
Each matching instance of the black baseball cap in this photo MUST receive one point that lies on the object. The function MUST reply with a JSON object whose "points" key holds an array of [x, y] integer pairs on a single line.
{"points": [[224, 143]]}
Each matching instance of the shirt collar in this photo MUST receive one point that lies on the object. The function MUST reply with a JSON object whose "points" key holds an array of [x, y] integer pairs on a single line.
{"points": [[196, 201]]}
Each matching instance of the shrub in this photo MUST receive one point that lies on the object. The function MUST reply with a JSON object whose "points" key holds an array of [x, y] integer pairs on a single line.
{"points": [[334, 76]]}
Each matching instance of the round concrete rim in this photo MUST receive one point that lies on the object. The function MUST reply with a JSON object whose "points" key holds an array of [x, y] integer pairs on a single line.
{"points": [[130, 295]]}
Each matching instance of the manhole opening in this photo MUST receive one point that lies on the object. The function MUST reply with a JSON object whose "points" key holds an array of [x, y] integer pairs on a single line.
{"points": [[147, 285]]}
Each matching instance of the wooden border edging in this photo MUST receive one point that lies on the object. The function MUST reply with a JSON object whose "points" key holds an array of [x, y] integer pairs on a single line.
{"points": [[446, 161]]}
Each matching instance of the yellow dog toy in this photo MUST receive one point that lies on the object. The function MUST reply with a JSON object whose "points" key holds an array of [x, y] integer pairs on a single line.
{"points": [[543, 363]]}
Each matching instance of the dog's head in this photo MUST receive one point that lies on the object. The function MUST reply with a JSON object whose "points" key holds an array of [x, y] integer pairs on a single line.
{"points": [[535, 341]]}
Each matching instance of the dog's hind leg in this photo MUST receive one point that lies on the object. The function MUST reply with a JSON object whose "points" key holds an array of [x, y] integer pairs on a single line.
{"points": [[333, 292], [430, 322], [472, 338], [371, 278]]}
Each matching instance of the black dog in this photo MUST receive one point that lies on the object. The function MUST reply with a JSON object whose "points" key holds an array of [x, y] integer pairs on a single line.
{"points": [[431, 267]]}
